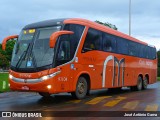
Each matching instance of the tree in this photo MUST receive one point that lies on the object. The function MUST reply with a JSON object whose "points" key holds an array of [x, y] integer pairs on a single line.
{"points": [[107, 24], [158, 55], [5, 56], [9, 49], [4, 63]]}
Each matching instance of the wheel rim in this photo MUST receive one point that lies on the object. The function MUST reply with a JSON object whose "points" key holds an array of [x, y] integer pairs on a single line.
{"points": [[145, 83], [81, 87], [139, 84]]}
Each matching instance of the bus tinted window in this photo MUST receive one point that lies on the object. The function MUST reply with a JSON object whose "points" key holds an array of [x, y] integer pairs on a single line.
{"points": [[93, 40], [144, 52], [64, 50], [149, 55], [109, 43], [97, 40], [46, 33], [122, 46], [133, 48], [74, 38], [153, 52]]}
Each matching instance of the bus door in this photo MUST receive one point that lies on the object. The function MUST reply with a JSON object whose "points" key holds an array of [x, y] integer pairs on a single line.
{"points": [[62, 62]]}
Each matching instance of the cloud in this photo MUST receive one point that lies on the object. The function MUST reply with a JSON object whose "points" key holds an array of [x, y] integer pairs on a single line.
{"points": [[145, 14]]}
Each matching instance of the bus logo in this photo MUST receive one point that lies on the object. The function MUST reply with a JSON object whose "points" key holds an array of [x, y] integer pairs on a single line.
{"points": [[120, 63]]}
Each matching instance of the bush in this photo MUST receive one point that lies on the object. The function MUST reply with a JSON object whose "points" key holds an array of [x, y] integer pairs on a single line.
{"points": [[158, 71]]}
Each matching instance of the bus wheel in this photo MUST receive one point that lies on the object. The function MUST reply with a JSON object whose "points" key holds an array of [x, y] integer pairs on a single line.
{"points": [[145, 83], [139, 84], [81, 88], [44, 94]]}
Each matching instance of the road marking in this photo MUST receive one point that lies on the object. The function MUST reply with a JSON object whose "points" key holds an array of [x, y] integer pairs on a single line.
{"points": [[74, 101], [114, 102], [97, 100], [153, 107], [131, 105]]}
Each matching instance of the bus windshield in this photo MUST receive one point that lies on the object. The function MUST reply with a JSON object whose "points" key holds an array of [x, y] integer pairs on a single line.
{"points": [[32, 48]]}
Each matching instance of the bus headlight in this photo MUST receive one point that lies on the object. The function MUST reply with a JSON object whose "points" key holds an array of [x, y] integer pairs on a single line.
{"points": [[49, 86], [10, 76], [45, 77], [49, 76]]}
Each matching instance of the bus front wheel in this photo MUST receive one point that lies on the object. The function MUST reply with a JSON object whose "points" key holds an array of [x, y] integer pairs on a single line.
{"points": [[81, 88]]}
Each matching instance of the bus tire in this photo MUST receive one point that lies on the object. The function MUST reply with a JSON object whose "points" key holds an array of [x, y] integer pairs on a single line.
{"points": [[139, 84], [145, 83], [81, 89], [44, 94]]}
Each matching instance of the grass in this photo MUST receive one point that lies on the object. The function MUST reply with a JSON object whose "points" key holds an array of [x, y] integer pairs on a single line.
{"points": [[158, 78], [4, 82]]}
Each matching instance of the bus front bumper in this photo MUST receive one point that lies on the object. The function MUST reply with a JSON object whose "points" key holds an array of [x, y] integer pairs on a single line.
{"points": [[44, 84]]}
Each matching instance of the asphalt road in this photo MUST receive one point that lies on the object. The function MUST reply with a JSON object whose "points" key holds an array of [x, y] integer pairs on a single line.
{"points": [[100, 100]]}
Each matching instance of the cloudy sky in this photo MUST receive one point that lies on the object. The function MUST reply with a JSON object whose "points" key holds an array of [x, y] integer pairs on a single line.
{"points": [[15, 14]]}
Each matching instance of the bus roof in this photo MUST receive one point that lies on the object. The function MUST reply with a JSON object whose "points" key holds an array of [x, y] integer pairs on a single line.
{"points": [[46, 23], [49, 23], [102, 28]]}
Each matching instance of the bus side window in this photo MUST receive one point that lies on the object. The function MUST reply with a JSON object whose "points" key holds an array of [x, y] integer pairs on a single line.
{"points": [[146, 52], [92, 41], [133, 48], [122, 46], [109, 43], [153, 53], [141, 54], [64, 51], [149, 52]]}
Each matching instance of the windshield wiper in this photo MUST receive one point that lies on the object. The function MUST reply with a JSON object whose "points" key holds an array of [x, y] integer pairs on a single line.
{"points": [[34, 61], [22, 56]]}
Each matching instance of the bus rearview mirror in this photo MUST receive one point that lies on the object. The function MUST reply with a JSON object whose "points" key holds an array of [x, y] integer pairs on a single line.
{"points": [[55, 35], [4, 42]]}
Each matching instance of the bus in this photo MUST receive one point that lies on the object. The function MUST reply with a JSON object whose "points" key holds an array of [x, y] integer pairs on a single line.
{"points": [[77, 55]]}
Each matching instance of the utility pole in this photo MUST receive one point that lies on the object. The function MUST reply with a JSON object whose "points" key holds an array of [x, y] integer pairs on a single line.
{"points": [[130, 17]]}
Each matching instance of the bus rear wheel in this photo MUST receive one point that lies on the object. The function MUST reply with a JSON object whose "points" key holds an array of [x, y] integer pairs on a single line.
{"points": [[139, 84], [138, 87], [44, 94], [145, 83], [81, 88]]}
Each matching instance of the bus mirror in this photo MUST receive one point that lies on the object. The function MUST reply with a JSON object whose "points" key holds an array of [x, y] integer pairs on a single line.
{"points": [[55, 35], [6, 39]]}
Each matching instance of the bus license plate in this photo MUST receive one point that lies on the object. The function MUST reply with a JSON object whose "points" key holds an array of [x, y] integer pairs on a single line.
{"points": [[25, 88]]}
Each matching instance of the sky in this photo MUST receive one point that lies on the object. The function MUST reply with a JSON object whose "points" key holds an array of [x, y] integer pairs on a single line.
{"points": [[145, 17]]}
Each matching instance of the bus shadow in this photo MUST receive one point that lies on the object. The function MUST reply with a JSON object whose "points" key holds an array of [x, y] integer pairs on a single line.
{"points": [[66, 97], [110, 92], [55, 99]]}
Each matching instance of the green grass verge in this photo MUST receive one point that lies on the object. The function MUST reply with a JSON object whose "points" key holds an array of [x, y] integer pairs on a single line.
{"points": [[158, 78], [4, 82]]}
